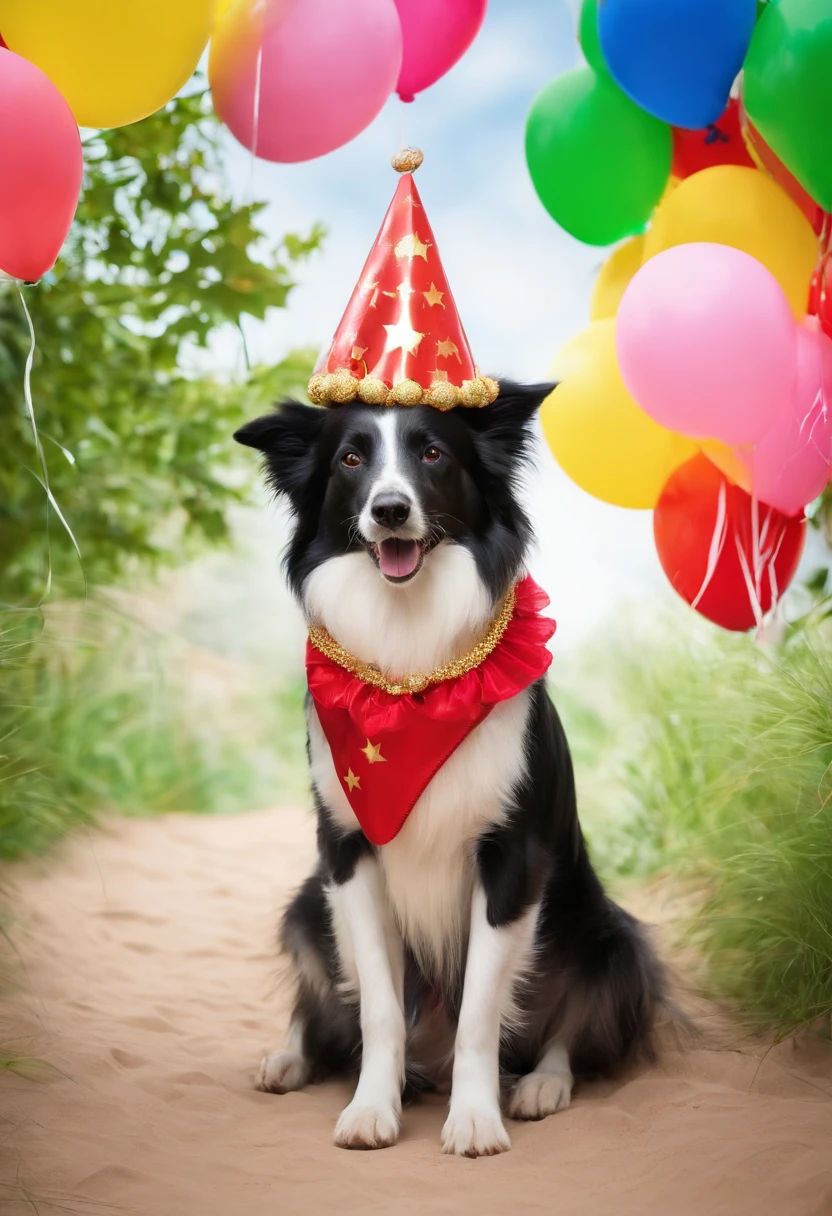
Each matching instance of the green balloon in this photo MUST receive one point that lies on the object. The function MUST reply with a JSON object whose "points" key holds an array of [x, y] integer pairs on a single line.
{"points": [[588, 36], [787, 89], [598, 162]]}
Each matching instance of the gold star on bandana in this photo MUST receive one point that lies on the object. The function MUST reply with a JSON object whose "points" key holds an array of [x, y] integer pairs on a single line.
{"points": [[434, 296], [373, 753], [353, 782], [411, 247]]}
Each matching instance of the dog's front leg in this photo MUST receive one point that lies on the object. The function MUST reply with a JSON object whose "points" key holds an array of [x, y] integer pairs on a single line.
{"points": [[498, 954], [372, 954]]}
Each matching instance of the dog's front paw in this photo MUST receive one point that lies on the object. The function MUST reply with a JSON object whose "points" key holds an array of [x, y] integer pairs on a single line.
{"points": [[474, 1133], [363, 1126], [540, 1094], [281, 1073]]}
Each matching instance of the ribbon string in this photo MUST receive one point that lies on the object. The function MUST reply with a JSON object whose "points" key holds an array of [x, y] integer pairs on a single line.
{"points": [[44, 478]]}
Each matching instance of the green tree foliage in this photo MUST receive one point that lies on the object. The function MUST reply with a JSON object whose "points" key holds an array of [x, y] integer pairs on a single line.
{"points": [[138, 452]]}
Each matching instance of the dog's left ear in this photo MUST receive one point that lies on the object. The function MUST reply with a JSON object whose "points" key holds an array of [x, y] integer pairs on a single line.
{"points": [[288, 438], [502, 430]]}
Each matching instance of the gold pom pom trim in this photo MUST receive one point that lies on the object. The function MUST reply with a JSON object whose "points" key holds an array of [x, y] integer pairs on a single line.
{"points": [[342, 387], [372, 391]]}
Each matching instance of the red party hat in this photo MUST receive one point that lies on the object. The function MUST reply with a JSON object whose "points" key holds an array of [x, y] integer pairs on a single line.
{"points": [[400, 341]]}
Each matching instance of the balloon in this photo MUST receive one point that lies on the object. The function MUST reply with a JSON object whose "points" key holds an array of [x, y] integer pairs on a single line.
{"points": [[588, 36], [42, 167], [820, 296], [731, 558], [720, 143], [326, 69], [790, 464], [615, 274], [729, 462], [766, 161], [706, 342], [599, 164], [114, 62], [787, 89], [677, 58], [436, 33], [597, 433], [747, 210]]}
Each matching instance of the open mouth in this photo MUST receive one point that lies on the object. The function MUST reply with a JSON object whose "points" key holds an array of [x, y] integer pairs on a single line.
{"points": [[398, 560]]}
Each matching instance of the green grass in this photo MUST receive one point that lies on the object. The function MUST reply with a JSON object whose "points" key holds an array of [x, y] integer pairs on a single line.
{"points": [[714, 760], [98, 716]]}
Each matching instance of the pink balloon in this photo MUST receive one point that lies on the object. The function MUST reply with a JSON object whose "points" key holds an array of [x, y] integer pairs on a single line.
{"points": [[40, 169], [790, 464], [436, 34], [707, 344], [316, 71]]}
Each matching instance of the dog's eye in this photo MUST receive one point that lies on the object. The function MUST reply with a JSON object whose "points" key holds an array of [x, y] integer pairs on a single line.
{"points": [[431, 454], [351, 459]]}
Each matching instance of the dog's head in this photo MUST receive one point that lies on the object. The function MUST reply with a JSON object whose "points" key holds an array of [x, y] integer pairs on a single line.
{"points": [[396, 483]]}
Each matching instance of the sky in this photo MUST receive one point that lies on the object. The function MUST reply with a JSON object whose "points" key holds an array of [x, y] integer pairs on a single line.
{"points": [[521, 284]]}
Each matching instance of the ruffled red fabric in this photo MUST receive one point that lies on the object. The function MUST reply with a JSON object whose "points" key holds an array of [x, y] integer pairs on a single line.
{"points": [[417, 732]]}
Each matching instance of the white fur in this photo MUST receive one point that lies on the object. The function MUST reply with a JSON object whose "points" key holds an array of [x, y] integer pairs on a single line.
{"points": [[497, 960], [404, 627], [287, 1070], [392, 479], [372, 1118], [546, 1090]]}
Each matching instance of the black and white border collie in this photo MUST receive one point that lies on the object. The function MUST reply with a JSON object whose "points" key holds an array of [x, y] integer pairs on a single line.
{"points": [[477, 947]]}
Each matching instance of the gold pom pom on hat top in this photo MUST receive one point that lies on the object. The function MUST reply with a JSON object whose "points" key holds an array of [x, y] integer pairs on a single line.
{"points": [[401, 341], [407, 160]]}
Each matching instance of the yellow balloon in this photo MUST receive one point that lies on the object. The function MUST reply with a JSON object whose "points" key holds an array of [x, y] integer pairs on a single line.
{"points": [[734, 205], [613, 278], [115, 61], [597, 433]]}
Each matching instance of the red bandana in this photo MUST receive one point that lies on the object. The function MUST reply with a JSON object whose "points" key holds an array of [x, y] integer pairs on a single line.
{"points": [[387, 748]]}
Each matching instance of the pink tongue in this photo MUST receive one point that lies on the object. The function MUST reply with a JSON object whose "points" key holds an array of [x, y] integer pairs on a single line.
{"points": [[398, 558]]}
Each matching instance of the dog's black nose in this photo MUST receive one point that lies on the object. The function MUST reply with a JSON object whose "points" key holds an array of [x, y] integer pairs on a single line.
{"points": [[390, 510]]}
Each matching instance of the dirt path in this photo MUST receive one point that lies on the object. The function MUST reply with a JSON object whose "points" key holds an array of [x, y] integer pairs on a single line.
{"points": [[149, 959]]}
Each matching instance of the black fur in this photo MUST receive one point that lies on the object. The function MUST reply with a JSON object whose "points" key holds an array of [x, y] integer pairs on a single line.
{"points": [[595, 981]]}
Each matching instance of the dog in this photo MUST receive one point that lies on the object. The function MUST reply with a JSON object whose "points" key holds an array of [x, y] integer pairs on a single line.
{"points": [[478, 946]]}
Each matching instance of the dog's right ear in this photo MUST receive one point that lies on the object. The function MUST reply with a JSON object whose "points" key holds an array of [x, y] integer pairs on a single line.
{"points": [[288, 438]]}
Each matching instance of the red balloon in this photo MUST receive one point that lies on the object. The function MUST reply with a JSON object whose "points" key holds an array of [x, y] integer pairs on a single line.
{"points": [[436, 34], [820, 294], [728, 556], [42, 167], [721, 143]]}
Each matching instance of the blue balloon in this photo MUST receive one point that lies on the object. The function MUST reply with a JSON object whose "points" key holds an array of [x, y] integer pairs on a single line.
{"points": [[677, 59]]}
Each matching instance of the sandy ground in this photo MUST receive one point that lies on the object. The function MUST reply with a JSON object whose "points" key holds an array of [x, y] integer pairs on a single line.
{"points": [[150, 969]]}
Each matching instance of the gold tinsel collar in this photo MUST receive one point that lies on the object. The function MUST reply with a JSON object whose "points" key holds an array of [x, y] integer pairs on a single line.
{"points": [[369, 673]]}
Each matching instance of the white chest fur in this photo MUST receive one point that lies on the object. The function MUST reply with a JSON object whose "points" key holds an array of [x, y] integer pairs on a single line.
{"points": [[429, 867]]}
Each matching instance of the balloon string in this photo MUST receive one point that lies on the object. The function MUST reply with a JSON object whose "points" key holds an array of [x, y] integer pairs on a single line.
{"points": [[749, 584], [44, 478], [717, 542]]}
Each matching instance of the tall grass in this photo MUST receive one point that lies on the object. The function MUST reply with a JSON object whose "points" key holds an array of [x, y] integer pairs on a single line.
{"points": [[716, 763], [98, 715]]}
